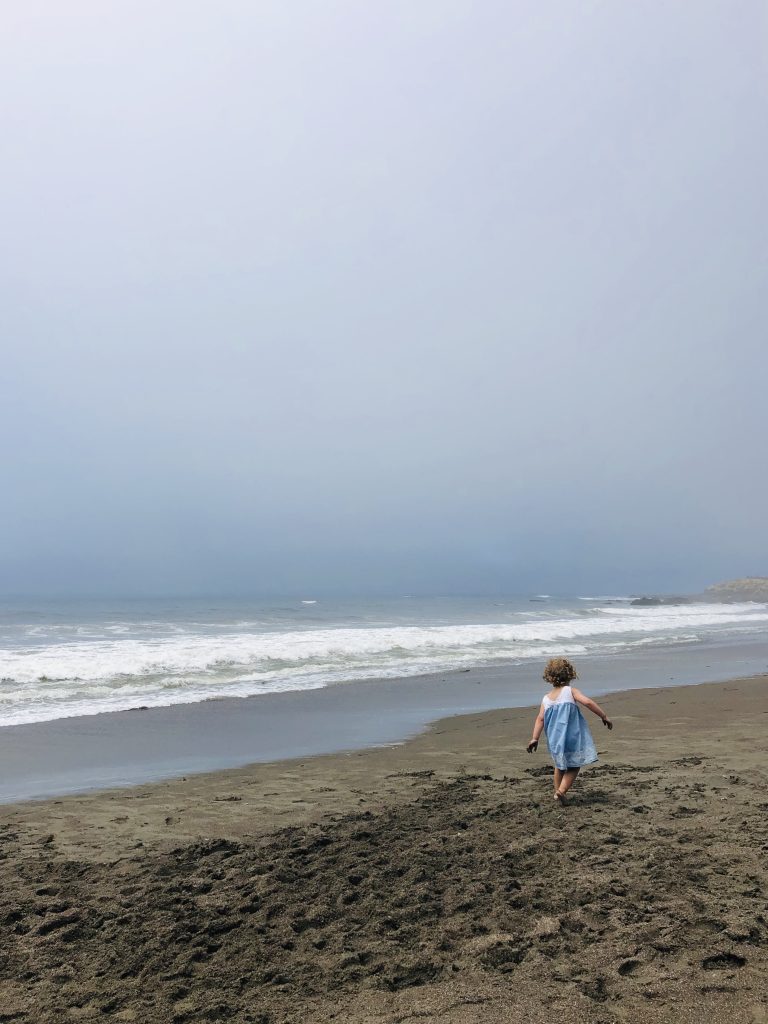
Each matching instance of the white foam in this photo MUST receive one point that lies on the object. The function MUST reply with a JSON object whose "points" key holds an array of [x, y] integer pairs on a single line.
{"points": [[90, 673]]}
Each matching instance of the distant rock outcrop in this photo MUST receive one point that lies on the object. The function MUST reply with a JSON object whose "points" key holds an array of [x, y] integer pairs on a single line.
{"points": [[750, 588]]}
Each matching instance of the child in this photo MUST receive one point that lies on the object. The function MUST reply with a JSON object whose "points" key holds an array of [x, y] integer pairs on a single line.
{"points": [[568, 737]]}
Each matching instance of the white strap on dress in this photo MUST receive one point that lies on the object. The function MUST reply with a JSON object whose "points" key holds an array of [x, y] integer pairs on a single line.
{"points": [[566, 697]]}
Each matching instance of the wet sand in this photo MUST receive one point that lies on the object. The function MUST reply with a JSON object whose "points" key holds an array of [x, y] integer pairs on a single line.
{"points": [[434, 880]]}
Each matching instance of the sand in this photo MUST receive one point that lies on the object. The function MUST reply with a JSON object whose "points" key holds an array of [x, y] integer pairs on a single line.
{"points": [[432, 881]]}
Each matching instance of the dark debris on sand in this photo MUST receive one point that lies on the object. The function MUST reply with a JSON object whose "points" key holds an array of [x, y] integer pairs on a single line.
{"points": [[480, 900]]}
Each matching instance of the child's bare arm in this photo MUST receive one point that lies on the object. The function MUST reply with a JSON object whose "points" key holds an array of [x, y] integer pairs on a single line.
{"points": [[538, 726], [592, 705]]}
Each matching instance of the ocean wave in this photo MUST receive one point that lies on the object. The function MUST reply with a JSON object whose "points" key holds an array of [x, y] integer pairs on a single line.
{"points": [[86, 674]]}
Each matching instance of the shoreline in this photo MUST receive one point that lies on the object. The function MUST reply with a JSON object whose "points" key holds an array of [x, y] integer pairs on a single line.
{"points": [[129, 748], [433, 879], [259, 797]]}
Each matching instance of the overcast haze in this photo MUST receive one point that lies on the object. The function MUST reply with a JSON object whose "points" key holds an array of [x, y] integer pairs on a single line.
{"points": [[383, 296]]}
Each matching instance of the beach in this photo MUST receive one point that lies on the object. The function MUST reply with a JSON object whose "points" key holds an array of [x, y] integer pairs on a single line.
{"points": [[369, 369], [127, 748], [433, 879]]}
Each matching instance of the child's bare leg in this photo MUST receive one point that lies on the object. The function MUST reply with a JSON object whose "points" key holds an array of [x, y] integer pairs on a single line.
{"points": [[568, 779], [558, 778]]}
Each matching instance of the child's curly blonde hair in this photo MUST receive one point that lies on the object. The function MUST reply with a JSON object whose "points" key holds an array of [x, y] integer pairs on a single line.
{"points": [[559, 672]]}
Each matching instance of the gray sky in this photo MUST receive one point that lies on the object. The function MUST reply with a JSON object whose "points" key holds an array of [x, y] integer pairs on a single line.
{"points": [[384, 296]]}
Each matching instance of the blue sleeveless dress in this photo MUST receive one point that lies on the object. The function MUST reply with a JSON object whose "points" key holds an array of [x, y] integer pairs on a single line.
{"points": [[568, 737]]}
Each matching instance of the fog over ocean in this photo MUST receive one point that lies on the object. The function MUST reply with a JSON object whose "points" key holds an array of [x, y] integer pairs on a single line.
{"points": [[396, 298]]}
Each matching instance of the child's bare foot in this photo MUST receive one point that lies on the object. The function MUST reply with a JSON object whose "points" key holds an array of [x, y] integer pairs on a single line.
{"points": [[560, 798]]}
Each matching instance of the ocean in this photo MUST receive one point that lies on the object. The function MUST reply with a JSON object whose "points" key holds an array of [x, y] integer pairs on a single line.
{"points": [[64, 659]]}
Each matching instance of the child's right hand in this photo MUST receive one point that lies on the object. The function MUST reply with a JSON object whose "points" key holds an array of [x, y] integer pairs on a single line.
{"points": [[608, 722]]}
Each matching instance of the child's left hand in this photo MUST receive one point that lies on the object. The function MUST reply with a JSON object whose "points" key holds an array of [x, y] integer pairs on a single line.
{"points": [[531, 748]]}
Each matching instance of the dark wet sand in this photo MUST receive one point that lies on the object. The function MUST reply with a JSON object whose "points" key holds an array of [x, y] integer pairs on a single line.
{"points": [[434, 881]]}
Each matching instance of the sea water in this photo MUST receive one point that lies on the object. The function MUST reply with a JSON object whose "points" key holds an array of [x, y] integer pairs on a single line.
{"points": [[69, 658]]}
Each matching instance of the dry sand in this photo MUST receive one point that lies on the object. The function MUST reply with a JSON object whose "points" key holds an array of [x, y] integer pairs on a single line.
{"points": [[432, 881]]}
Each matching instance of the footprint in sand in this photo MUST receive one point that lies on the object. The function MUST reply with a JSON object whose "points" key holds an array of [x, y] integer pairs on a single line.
{"points": [[722, 961], [628, 967]]}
